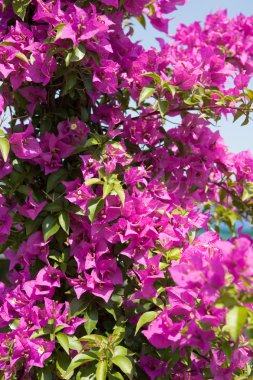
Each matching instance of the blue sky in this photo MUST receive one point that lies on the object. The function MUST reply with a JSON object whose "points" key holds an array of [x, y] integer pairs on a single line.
{"points": [[236, 137]]}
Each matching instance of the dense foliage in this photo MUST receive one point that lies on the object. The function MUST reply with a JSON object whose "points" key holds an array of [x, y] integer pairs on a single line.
{"points": [[113, 189]]}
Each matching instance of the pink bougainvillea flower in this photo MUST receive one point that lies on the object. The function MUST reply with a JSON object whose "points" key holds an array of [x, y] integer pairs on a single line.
{"points": [[34, 95], [78, 194], [24, 145], [153, 367], [162, 332], [5, 167], [34, 351], [30, 208], [105, 77], [5, 224]]}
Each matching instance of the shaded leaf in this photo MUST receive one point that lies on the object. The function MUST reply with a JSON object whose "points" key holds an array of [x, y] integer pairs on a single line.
{"points": [[64, 221], [50, 226], [19, 7], [92, 320]]}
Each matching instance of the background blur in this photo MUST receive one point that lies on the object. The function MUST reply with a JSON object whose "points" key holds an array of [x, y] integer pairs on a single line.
{"points": [[236, 137]]}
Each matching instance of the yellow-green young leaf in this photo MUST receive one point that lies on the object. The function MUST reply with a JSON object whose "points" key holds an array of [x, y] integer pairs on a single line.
{"points": [[50, 226], [124, 364], [171, 88], [249, 93], [93, 181], [235, 320], [101, 370], [64, 221], [59, 29], [74, 343], [154, 76], [107, 189], [63, 341], [147, 317], [121, 351], [118, 335], [4, 148], [120, 192], [163, 106], [94, 206], [75, 55], [115, 376], [146, 92], [22, 57], [94, 338], [19, 7]]}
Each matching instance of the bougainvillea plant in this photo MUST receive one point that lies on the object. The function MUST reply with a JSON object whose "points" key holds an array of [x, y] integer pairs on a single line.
{"points": [[112, 191]]}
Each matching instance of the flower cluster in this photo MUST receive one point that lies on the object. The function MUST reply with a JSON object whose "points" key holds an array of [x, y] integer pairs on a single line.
{"points": [[112, 184]]}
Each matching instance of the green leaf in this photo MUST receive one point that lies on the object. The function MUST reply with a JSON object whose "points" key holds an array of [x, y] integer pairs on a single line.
{"points": [[92, 319], [86, 373], [146, 92], [70, 82], [94, 206], [235, 320], [124, 364], [142, 21], [44, 374], [40, 332], [93, 181], [154, 76], [54, 178], [22, 57], [79, 360], [120, 192], [4, 148], [75, 55], [121, 351], [79, 53], [19, 7], [64, 221], [55, 206], [63, 341], [115, 376], [249, 93], [58, 29], [163, 106], [118, 335], [101, 370], [172, 89], [94, 338], [50, 226], [238, 114], [147, 317], [74, 343], [107, 189], [246, 121], [62, 363]]}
